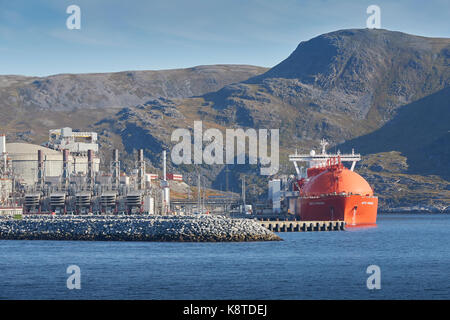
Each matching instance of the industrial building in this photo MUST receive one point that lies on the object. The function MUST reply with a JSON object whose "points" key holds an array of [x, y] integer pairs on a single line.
{"points": [[23, 158], [63, 176], [75, 141]]}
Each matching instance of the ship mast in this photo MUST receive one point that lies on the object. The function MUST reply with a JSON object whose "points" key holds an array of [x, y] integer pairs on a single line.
{"points": [[323, 144]]}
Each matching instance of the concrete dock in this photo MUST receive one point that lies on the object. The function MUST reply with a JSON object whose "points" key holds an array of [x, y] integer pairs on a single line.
{"points": [[302, 226]]}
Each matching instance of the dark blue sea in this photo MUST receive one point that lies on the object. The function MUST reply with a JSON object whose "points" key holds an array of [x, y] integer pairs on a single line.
{"points": [[412, 252]]}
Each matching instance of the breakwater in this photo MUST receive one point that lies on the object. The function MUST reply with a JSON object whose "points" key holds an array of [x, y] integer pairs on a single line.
{"points": [[203, 228]]}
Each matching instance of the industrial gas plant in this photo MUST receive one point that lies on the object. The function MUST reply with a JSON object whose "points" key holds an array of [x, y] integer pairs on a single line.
{"points": [[63, 176]]}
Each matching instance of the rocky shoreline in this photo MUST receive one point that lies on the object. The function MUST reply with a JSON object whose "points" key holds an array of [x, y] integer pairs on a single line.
{"points": [[203, 228], [415, 209]]}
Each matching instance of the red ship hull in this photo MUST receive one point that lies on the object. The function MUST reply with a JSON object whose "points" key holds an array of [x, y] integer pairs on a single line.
{"points": [[353, 209]]}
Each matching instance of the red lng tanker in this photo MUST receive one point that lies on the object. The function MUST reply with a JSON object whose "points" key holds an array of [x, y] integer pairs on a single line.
{"points": [[331, 192]]}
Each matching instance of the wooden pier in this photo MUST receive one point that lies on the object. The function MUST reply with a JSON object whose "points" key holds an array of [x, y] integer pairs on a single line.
{"points": [[303, 226]]}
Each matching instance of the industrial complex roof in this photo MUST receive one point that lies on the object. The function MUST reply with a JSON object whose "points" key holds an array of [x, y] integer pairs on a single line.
{"points": [[28, 148]]}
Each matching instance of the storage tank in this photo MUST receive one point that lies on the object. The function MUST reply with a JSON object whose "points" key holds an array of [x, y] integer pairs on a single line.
{"points": [[344, 181]]}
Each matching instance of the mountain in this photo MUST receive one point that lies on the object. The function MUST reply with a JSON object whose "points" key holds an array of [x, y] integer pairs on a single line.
{"points": [[383, 92], [407, 159], [420, 131], [339, 85], [79, 100], [105, 90]]}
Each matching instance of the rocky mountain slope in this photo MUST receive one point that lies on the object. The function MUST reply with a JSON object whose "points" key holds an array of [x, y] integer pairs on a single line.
{"points": [[107, 90], [339, 85], [387, 174], [420, 131], [79, 100]]}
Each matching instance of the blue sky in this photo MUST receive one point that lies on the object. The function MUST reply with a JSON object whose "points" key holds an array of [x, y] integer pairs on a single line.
{"points": [[164, 34]]}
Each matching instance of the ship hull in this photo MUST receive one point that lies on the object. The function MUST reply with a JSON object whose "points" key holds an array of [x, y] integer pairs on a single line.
{"points": [[355, 210]]}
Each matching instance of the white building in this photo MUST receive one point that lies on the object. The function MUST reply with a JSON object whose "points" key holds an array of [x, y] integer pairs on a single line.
{"points": [[74, 141], [24, 160]]}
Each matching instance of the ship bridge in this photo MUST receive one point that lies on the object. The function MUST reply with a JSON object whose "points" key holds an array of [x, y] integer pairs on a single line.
{"points": [[320, 160]]}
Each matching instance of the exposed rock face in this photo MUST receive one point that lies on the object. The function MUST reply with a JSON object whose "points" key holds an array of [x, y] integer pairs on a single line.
{"points": [[420, 131], [357, 75], [106, 90], [398, 191], [134, 228]]}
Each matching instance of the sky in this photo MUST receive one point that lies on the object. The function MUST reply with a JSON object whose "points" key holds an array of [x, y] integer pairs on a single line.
{"points": [[118, 35]]}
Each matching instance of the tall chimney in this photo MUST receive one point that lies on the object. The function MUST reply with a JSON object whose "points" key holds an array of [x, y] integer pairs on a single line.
{"points": [[40, 172], [2, 143], [141, 170], [115, 168], [165, 187], [90, 173], [164, 166], [3, 152], [65, 173]]}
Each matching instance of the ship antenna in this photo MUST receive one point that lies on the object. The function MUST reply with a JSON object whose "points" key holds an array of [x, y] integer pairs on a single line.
{"points": [[323, 143]]}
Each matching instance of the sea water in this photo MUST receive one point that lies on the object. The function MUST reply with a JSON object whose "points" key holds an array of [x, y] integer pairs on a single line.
{"points": [[412, 252]]}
